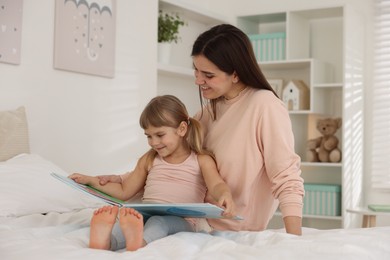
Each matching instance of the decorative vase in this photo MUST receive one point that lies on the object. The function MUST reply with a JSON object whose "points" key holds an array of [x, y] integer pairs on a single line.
{"points": [[164, 52]]}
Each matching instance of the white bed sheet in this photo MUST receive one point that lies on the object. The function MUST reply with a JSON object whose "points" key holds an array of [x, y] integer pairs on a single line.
{"points": [[65, 236], [27, 190]]}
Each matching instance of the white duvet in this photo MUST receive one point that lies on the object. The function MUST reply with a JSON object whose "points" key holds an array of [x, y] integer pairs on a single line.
{"points": [[65, 236], [42, 218]]}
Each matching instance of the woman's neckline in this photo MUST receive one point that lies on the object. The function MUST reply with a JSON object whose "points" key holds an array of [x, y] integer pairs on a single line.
{"points": [[238, 94], [236, 98]]}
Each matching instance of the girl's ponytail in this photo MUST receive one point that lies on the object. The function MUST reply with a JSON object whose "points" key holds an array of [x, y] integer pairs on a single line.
{"points": [[195, 137]]}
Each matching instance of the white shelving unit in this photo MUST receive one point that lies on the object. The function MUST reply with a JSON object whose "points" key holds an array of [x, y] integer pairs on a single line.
{"points": [[324, 48], [178, 76]]}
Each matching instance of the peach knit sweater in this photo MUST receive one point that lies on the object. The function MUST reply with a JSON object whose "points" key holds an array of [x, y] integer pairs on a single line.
{"points": [[253, 143]]}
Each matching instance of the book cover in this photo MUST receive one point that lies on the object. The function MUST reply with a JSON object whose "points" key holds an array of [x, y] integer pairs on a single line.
{"points": [[381, 208], [193, 210]]}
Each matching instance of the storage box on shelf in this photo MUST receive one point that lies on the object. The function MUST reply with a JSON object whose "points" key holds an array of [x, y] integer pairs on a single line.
{"points": [[322, 199], [269, 46]]}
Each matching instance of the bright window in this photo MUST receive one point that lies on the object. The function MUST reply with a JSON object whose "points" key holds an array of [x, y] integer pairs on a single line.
{"points": [[381, 97]]}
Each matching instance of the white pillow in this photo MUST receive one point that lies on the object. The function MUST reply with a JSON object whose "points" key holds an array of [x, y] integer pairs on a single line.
{"points": [[13, 133], [26, 187]]}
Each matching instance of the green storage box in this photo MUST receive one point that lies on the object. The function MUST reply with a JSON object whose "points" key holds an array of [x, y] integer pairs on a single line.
{"points": [[269, 46], [322, 199]]}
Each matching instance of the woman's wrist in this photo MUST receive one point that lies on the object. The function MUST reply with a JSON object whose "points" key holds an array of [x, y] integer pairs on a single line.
{"points": [[293, 225]]}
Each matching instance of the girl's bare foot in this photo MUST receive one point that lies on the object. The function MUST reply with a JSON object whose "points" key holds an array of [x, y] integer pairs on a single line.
{"points": [[132, 225], [101, 226]]}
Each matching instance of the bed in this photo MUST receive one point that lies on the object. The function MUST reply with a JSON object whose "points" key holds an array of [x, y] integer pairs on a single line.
{"points": [[41, 218]]}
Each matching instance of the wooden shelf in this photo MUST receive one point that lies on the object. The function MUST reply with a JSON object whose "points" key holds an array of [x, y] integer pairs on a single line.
{"points": [[286, 64], [328, 85], [175, 71], [321, 164], [336, 218]]}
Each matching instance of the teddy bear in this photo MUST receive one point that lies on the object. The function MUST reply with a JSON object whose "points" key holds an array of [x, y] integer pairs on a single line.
{"points": [[325, 148]]}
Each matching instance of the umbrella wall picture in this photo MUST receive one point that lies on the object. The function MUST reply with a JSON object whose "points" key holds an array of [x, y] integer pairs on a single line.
{"points": [[85, 36]]}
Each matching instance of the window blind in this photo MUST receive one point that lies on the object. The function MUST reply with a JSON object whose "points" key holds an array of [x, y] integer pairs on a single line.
{"points": [[380, 161]]}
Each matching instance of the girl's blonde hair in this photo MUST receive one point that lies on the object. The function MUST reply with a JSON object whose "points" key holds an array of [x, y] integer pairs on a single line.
{"points": [[168, 110]]}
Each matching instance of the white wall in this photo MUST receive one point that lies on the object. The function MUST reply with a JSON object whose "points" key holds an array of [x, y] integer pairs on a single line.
{"points": [[81, 122]]}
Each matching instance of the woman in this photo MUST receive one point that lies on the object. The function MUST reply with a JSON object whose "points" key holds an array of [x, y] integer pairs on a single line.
{"points": [[248, 129]]}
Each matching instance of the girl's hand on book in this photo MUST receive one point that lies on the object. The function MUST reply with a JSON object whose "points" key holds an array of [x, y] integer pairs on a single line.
{"points": [[226, 202], [80, 178]]}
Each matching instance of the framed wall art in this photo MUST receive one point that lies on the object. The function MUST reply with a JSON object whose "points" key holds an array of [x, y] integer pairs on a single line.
{"points": [[85, 36], [11, 12]]}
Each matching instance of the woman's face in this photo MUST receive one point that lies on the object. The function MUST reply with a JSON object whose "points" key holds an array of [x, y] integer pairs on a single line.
{"points": [[213, 82]]}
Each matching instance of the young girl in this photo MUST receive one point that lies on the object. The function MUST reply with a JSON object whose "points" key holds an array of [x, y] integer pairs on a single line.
{"points": [[175, 170]]}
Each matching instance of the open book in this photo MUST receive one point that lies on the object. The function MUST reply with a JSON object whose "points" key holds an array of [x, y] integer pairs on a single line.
{"points": [[193, 210]]}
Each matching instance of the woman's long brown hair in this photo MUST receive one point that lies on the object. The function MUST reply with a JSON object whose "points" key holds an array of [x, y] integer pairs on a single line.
{"points": [[231, 51]]}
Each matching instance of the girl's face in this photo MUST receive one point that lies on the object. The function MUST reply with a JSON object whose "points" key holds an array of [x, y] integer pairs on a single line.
{"points": [[213, 82], [166, 141]]}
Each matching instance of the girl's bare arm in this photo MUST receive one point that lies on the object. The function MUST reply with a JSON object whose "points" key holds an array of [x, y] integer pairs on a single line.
{"points": [[104, 179], [216, 186], [123, 191]]}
